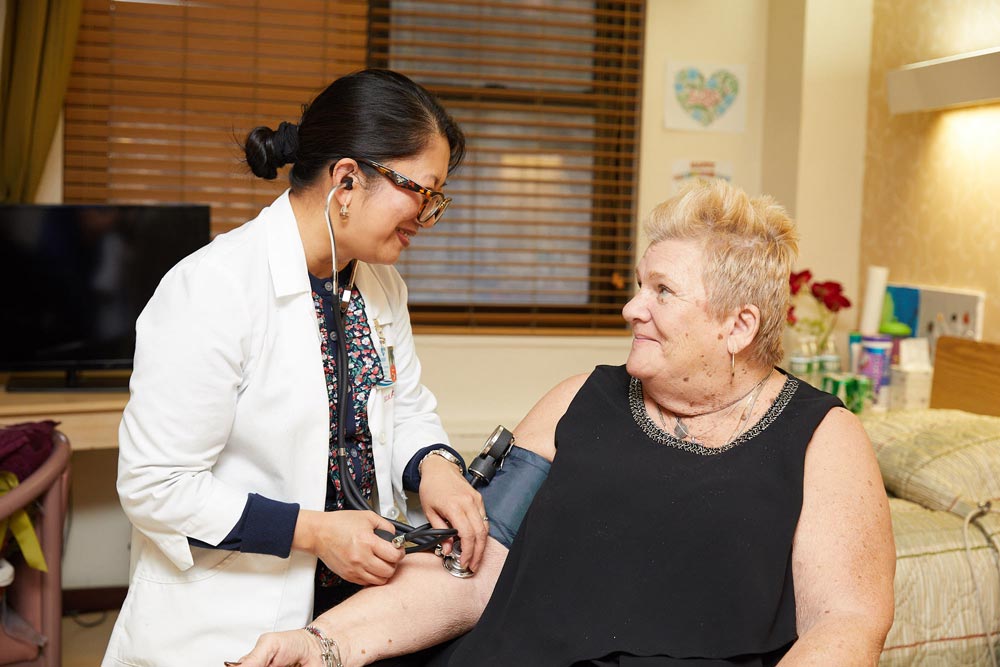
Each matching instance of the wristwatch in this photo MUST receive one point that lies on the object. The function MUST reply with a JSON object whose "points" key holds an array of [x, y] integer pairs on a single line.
{"points": [[443, 453]]}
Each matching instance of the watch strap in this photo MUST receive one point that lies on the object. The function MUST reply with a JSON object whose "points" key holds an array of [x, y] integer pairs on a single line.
{"points": [[446, 455]]}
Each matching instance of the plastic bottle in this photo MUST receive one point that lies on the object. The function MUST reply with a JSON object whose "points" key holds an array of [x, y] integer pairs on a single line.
{"points": [[803, 362], [829, 358]]}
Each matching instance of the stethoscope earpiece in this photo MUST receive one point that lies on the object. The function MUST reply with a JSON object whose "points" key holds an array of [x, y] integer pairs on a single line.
{"points": [[347, 182]]}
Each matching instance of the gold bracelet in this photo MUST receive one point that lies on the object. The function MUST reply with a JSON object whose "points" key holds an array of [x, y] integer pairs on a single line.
{"points": [[328, 648]]}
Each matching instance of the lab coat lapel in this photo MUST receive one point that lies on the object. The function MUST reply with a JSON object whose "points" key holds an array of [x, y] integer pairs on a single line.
{"points": [[285, 254], [373, 291]]}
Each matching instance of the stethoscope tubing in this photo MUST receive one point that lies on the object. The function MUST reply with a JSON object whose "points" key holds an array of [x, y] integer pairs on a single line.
{"points": [[421, 538]]}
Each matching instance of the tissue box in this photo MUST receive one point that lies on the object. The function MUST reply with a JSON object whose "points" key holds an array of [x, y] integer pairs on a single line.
{"points": [[911, 388]]}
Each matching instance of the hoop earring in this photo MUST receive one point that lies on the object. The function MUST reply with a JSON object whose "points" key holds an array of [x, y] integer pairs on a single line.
{"points": [[344, 212]]}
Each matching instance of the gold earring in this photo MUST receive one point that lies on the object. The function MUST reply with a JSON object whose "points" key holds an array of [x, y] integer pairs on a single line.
{"points": [[344, 213], [732, 365]]}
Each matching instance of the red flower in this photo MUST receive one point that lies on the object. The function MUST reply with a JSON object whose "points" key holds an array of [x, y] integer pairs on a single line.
{"points": [[830, 294], [798, 280], [791, 316]]}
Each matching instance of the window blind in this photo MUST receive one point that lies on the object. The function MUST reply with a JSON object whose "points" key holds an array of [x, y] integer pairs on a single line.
{"points": [[162, 94], [540, 232]]}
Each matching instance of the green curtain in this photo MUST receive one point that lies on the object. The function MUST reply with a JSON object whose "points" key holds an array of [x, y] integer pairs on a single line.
{"points": [[38, 43]]}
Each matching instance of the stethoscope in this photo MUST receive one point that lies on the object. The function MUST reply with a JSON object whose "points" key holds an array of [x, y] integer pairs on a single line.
{"points": [[482, 469]]}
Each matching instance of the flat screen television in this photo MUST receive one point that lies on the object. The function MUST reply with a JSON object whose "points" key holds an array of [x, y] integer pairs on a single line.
{"points": [[76, 277]]}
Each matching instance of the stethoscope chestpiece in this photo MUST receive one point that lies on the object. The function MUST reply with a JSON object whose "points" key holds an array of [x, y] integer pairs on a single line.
{"points": [[453, 566]]}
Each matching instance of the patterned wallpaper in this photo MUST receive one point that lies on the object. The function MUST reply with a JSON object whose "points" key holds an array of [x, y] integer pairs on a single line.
{"points": [[931, 207]]}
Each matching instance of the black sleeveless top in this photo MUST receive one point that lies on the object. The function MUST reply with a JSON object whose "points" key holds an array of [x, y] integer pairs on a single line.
{"points": [[643, 549]]}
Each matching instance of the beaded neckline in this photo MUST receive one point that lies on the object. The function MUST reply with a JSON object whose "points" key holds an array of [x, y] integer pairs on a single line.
{"points": [[656, 434]]}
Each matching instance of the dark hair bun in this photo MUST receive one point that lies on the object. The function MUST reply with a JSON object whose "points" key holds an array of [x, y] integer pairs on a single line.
{"points": [[375, 114], [267, 150]]}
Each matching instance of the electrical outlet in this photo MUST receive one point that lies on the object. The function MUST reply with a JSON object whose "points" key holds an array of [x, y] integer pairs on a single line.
{"points": [[948, 312]]}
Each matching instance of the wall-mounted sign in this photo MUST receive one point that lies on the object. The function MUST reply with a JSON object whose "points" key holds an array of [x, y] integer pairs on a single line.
{"points": [[704, 97]]}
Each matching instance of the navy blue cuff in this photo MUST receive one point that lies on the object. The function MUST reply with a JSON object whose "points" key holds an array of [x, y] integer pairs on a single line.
{"points": [[269, 527], [411, 474], [508, 496], [265, 527]]}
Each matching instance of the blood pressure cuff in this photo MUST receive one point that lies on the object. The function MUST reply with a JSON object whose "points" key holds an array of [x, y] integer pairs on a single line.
{"points": [[511, 491]]}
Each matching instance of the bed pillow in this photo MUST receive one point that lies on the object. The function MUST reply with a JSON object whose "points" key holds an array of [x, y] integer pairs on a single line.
{"points": [[940, 459]]}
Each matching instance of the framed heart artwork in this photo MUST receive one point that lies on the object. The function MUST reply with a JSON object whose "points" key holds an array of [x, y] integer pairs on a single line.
{"points": [[705, 97]]}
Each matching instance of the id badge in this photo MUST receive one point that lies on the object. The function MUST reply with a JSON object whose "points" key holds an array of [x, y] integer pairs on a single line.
{"points": [[387, 358], [388, 365]]}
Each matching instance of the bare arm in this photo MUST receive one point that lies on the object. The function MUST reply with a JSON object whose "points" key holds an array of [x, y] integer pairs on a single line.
{"points": [[537, 431], [422, 605], [843, 556]]}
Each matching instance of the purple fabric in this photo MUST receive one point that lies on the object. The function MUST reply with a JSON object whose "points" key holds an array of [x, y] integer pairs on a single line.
{"points": [[25, 447]]}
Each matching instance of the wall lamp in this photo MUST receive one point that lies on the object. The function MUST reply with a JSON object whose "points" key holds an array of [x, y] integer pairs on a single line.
{"points": [[955, 81]]}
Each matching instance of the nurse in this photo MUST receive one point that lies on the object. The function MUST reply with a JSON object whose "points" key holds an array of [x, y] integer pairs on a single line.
{"points": [[228, 468]]}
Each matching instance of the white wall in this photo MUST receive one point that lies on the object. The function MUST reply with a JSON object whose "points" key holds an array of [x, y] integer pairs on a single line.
{"points": [[714, 32], [783, 106], [836, 60], [482, 381], [96, 553]]}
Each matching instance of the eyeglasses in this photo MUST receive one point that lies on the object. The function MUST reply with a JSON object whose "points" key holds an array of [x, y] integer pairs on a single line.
{"points": [[435, 203]]}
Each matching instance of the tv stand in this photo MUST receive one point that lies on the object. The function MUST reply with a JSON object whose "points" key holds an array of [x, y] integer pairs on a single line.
{"points": [[89, 418], [70, 380]]}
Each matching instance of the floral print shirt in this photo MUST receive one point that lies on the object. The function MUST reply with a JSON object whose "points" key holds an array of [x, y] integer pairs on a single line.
{"points": [[364, 369]]}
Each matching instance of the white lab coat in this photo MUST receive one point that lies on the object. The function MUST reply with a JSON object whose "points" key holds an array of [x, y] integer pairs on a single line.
{"points": [[228, 397]]}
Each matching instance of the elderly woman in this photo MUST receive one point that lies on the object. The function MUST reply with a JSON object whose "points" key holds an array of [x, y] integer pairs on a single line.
{"points": [[705, 507]]}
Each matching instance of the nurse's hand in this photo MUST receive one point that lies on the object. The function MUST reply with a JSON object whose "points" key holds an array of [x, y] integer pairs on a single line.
{"points": [[346, 542], [449, 500]]}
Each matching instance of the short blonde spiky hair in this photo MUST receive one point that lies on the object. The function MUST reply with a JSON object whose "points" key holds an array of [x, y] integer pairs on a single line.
{"points": [[748, 246]]}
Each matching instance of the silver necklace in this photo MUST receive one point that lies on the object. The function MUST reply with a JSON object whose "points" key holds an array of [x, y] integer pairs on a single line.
{"points": [[682, 431]]}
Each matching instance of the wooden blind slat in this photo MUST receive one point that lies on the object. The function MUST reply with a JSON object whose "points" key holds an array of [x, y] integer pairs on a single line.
{"points": [[486, 65], [607, 11], [551, 78], [489, 54], [537, 107], [577, 35]]}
